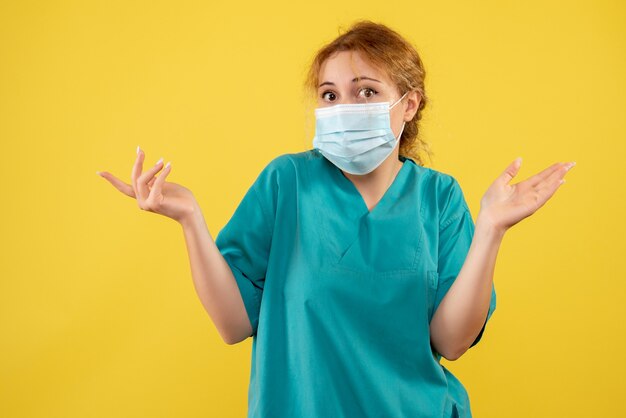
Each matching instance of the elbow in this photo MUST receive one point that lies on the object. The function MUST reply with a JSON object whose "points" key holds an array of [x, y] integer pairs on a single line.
{"points": [[232, 339], [448, 351], [455, 353], [235, 336], [448, 354], [453, 356]]}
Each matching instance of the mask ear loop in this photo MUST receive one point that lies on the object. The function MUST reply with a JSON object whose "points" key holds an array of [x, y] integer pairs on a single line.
{"points": [[403, 123], [399, 100], [401, 130]]}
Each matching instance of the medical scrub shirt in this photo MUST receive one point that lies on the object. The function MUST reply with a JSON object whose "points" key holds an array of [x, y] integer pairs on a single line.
{"points": [[340, 297]]}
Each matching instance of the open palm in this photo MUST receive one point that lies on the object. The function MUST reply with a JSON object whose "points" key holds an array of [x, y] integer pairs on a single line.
{"points": [[152, 192], [506, 204]]}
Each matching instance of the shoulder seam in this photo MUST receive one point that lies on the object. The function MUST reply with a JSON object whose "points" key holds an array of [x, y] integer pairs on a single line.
{"points": [[424, 194], [449, 189], [264, 211]]}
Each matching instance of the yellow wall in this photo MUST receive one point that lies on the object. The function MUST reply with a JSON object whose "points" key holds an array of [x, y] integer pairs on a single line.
{"points": [[98, 314]]}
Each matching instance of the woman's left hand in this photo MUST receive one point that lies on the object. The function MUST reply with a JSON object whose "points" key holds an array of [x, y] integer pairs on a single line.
{"points": [[504, 205]]}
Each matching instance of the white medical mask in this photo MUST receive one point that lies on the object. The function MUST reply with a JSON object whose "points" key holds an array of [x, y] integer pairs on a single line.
{"points": [[357, 138]]}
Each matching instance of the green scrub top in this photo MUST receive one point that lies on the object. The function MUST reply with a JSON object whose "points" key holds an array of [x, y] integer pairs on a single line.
{"points": [[340, 298]]}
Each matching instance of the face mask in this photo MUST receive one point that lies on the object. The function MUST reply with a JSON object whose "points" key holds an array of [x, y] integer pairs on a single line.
{"points": [[357, 138]]}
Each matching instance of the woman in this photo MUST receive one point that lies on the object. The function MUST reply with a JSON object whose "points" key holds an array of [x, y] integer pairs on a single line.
{"points": [[353, 267]]}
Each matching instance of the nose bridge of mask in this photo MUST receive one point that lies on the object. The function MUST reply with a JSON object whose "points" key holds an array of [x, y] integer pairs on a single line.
{"points": [[347, 121]]}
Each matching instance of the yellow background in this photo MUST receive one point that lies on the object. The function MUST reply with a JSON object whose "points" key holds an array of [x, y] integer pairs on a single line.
{"points": [[98, 313]]}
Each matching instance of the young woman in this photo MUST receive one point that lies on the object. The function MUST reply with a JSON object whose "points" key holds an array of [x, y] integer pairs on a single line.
{"points": [[353, 267]]}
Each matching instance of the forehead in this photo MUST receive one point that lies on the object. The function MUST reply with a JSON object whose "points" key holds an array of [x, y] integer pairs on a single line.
{"points": [[343, 66]]}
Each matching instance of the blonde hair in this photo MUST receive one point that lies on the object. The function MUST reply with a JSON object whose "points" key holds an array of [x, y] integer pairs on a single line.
{"points": [[389, 51]]}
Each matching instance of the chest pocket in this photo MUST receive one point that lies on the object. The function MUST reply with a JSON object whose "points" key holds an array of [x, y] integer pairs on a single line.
{"points": [[377, 246]]}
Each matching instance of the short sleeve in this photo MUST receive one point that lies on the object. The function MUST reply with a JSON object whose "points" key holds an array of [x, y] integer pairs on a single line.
{"points": [[245, 242], [456, 231]]}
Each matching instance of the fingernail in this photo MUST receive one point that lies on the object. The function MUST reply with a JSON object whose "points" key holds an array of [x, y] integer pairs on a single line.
{"points": [[160, 161], [137, 149], [98, 173], [168, 164]]}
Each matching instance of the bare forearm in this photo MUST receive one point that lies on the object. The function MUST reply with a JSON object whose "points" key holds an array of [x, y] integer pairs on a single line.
{"points": [[214, 281], [463, 311]]}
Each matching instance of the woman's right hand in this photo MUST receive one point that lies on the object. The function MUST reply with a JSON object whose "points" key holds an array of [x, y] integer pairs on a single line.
{"points": [[154, 194]]}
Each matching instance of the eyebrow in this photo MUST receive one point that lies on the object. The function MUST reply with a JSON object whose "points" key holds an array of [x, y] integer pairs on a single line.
{"points": [[353, 80]]}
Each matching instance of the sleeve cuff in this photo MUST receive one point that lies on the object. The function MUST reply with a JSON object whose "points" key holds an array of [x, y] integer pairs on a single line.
{"points": [[251, 296]]}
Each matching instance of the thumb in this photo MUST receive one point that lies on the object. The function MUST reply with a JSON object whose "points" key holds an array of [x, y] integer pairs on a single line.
{"points": [[510, 172]]}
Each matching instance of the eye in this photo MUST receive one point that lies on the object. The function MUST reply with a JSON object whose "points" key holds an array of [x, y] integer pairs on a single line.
{"points": [[368, 92], [331, 95]]}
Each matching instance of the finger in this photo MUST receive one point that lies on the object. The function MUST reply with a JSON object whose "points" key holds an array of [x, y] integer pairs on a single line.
{"points": [[148, 176], [141, 190], [539, 177], [548, 186], [158, 184], [510, 172], [127, 189]]}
